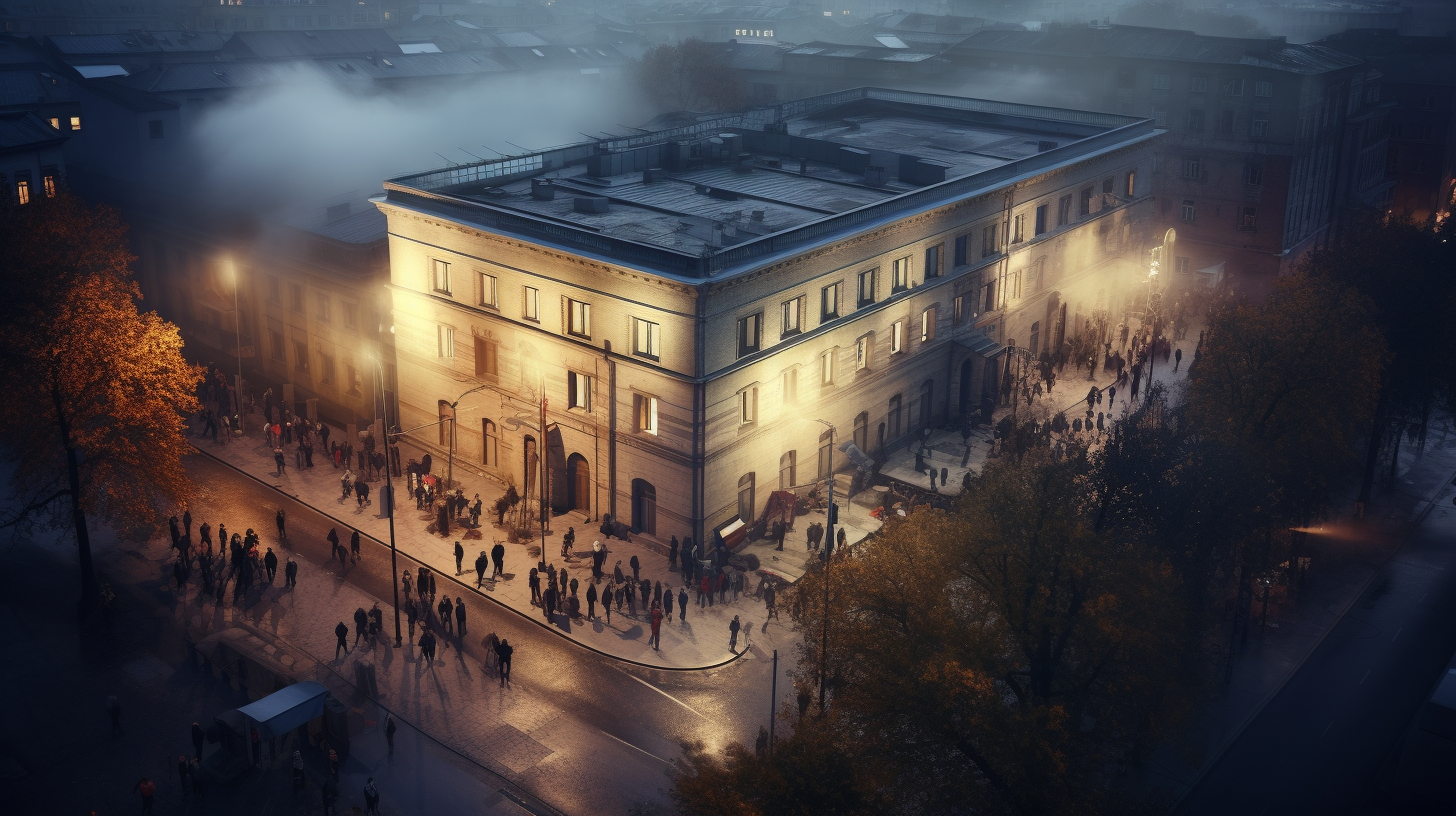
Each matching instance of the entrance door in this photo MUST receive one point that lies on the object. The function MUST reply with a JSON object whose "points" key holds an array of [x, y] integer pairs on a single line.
{"points": [[578, 483], [644, 507]]}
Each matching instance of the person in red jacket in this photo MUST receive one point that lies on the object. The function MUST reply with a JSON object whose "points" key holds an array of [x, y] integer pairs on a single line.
{"points": [[656, 639]]}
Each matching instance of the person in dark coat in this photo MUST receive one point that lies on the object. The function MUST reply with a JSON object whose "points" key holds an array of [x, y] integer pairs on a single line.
{"points": [[607, 602], [591, 601], [445, 610], [498, 556], [341, 632], [636, 568], [672, 554], [282, 522], [504, 651], [270, 562], [354, 546], [459, 558], [481, 562], [460, 617], [733, 635], [361, 622]]}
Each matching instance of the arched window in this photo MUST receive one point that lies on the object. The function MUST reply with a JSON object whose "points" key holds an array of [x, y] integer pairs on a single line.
{"points": [[745, 497], [788, 470], [578, 483], [1035, 345], [490, 440], [927, 402], [826, 454], [644, 507], [895, 418], [862, 431], [445, 423]]}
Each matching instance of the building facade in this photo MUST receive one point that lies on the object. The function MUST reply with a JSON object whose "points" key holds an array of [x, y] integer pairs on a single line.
{"points": [[701, 315]]}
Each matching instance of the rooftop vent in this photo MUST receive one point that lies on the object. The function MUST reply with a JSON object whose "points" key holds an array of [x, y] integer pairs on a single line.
{"points": [[758, 215], [590, 204], [541, 189], [387, 63]]}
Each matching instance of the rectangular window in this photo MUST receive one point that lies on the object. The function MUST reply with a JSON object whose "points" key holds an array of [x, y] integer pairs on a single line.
{"points": [[791, 317], [326, 369], [578, 318], [1064, 210], [750, 329], [1018, 228], [989, 302], [960, 249], [1189, 211], [1254, 174], [75, 123], [531, 305], [275, 289], [1226, 122], [324, 306], [988, 241], [351, 315], [487, 357], [1233, 87], [488, 290], [1192, 169], [900, 274], [867, 287], [300, 356], [747, 406], [275, 343], [48, 183], [1198, 84], [826, 368], [578, 390], [897, 337], [789, 386], [829, 302], [295, 297], [1162, 82], [862, 353], [932, 261], [1259, 128], [154, 129], [646, 339], [1129, 184], [1160, 117], [440, 275], [1246, 218], [444, 342], [646, 410], [1195, 120], [1085, 204], [958, 309], [1041, 219], [927, 325], [355, 383], [1263, 88]]}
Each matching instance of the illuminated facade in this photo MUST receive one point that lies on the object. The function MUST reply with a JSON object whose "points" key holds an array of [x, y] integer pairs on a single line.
{"points": [[690, 299]]}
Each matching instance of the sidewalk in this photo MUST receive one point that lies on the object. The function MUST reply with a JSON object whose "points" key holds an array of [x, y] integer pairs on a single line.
{"points": [[626, 638]]}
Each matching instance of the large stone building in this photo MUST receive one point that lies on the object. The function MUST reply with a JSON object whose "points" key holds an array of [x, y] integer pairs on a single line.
{"points": [[685, 305]]}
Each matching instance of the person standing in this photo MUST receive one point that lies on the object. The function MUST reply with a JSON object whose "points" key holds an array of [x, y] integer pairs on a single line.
{"points": [[480, 565], [389, 729], [282, 526], [460, 616], [148, 790], [498, 556], [504, 652], [183, 769], [290, 574], [656, 639], [427, 647], [354, 546], [371, 797], [591, 601], [667, 604], [361, 623], [770, 596], [341, 632], [534, 582], [682, 604], [459, 558], [445, 610], [636, 569], [733, 635], [1177, 358], [270, 563], [672, 555]]}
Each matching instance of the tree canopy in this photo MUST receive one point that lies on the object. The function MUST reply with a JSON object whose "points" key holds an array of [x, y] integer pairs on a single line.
{"points": [[91, 411], [692, 75]]}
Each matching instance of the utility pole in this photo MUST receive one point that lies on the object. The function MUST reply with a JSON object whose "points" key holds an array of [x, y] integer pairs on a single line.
{"points": [[389, 505], [831, 515]]}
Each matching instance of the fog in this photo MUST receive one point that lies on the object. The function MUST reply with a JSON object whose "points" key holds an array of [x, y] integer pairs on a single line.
{"points": [[306, 140]]}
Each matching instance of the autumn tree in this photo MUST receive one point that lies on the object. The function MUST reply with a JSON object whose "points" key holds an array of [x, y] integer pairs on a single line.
{"points": [[95, 390], [1403, 269], [692, 75]]}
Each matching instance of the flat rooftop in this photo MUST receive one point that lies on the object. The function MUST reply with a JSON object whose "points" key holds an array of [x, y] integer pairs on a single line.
{"points": [[726, 192]]}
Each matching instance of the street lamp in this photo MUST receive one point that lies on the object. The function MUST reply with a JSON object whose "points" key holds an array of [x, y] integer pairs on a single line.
{"points": [[831, 515], [389, 501]]}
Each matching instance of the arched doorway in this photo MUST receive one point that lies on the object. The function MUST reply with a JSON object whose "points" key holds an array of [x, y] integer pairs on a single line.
{"points": [[578, 483], [788, 470], [490, 437], [745, 497], [862, 431], [644, 507]]}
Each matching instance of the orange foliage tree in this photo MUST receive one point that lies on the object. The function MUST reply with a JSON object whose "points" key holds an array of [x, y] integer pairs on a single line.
{"points": [[92, 412]]}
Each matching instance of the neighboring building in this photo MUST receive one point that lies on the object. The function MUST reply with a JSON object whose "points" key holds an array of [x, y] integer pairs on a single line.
{"points": [[1304, 22], [1418, 75], [1269, 143], [31, 163], [682, 304]]}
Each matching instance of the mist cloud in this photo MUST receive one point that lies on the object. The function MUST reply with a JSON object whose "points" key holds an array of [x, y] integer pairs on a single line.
{"points": [[307, 140]]}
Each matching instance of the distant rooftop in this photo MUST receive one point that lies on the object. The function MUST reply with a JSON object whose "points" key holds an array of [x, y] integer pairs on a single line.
{"points": [[1161, 43], [724, 193], [26, 131]]}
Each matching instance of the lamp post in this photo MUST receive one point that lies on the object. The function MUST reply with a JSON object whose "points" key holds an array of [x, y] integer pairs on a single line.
{"points": [[238, 338], [831, 515], [389, 505]]}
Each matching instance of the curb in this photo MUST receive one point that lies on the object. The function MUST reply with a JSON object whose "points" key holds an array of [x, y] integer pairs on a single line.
{"points": [[468, 588], [1405, 529]]}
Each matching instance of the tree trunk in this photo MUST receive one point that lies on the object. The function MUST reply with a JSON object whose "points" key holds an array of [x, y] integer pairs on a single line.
{"points": [[90, 590], [1372, 456]]}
